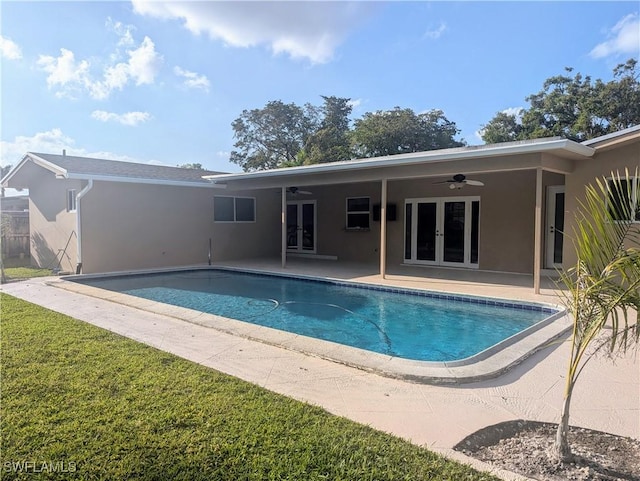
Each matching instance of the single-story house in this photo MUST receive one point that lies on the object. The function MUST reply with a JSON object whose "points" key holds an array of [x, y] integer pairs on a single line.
{"points": [[501, 207]]}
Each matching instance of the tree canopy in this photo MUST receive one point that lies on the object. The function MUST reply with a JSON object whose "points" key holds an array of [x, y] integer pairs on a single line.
{"points": [[330, 142], [272, 136], [574, 107], [401, 131], [193, 166], [568, 105], [284, 135]]}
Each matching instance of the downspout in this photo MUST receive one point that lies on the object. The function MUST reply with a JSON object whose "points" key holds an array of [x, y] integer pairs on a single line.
{"points": [[79, 197]]}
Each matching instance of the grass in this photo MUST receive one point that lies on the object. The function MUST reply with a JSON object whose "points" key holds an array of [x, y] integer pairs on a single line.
{"points": [[16, 268], [105, 407], [20, 273]]}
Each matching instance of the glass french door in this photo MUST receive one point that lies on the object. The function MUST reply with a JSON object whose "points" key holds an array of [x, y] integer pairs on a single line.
{"points": [[554, 238], [301, 226], [442, 231]]}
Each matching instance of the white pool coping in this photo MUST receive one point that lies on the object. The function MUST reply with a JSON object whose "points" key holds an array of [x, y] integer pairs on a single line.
{"points": [[490, 363]]}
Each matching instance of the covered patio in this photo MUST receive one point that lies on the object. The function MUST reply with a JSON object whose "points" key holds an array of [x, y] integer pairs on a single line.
{"points": [[507, 223]]}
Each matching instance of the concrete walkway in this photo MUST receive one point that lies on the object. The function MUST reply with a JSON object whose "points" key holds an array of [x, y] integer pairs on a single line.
{"points": [[607, 397]]}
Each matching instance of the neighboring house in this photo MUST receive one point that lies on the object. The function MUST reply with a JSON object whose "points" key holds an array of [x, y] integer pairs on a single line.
{"points": [[16, 203], [394, 210]]}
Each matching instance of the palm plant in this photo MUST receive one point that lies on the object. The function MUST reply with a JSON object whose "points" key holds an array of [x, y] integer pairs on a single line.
{"points": [[603, 289]]}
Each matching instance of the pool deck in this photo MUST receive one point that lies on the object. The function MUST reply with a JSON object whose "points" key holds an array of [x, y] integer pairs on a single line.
{"points": [[606, 398]]}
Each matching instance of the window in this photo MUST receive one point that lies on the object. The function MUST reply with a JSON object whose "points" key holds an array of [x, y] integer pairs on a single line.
{"points": [[71, 200], [620, 195], [358, 212], [234, 209]]}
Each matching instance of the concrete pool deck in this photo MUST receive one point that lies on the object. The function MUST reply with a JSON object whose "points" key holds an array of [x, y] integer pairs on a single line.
{"points": [[606, 398], [486, 364]]}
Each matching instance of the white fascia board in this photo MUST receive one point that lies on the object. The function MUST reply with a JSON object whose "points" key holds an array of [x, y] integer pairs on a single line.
{"points": [[620, 133], [36, 160], [138, 180], [56, 169], [414, 158]]}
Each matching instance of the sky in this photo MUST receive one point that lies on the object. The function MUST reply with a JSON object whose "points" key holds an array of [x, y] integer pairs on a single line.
{"points": [[161, 82]]}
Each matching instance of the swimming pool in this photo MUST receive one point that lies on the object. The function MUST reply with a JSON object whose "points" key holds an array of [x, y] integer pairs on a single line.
{"points": [[402, 323]]}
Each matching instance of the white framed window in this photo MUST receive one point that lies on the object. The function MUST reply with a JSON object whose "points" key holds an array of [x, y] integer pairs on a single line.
{"points": [[234, 209], [71, 200], [358, 213], [628, 191]]}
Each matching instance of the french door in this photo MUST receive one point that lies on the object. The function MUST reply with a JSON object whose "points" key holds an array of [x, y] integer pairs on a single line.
{"points": [[442, 231], [301, 226], [554, 237]]}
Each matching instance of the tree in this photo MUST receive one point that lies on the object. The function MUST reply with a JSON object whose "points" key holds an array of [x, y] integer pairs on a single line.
{"points": [[574, 107], [273, 136], [504, 127], [191, 166], [401, 131], [621, 98], [330, 142], [603, 288]]}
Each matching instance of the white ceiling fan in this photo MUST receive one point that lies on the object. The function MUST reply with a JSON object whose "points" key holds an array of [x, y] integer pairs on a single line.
{"points": [[458, 181]]}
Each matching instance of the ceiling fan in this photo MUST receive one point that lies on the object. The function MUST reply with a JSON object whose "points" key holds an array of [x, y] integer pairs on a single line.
{"points": [[458, 181], [296, 191]]}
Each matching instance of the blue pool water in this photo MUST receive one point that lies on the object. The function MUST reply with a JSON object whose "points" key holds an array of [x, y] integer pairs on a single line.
{"points": [[426, 327]]}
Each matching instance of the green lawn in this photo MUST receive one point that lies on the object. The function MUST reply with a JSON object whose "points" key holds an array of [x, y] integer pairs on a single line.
{"points": [[21, 273], [100, 406]]}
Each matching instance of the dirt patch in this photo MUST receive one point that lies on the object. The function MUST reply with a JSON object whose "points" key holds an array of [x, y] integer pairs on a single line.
{"points": [[522, 447]]}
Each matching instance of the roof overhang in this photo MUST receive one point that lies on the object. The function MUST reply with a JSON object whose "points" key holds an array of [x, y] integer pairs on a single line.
{"points": [[28, 157], [559, 156], [615, 139], [137, 180], [62, 174]]}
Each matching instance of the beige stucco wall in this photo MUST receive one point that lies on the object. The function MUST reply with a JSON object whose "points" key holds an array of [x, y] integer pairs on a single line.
{"points": [[507, 204], [52, 227], [127, 226], [139, 226], [586, 171]]}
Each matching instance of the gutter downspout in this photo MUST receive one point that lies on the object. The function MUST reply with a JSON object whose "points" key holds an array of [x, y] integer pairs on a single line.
{"points": [[79, 197]]}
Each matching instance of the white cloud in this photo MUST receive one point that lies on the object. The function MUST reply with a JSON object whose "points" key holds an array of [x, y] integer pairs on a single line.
{"points": [[129, 118], [123, 31], [144, 62], [192, 80], [435, 33], [355, 103], [623, 39], [53, 142], [311, 30], [64, 71], [9, 49], [72, 77]]}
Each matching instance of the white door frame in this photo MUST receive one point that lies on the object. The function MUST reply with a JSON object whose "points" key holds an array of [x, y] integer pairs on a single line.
{"points": [[440, 218], [550, 229], [299, 222]]}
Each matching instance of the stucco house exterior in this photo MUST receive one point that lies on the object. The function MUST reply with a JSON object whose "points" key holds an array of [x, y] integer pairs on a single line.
{"points": [[501, 207]]}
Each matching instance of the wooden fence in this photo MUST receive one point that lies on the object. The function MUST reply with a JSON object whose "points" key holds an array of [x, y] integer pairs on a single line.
{"points": [[15, 234]]}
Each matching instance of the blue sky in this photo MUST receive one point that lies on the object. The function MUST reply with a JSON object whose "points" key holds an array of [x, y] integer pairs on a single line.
{"points": [[161, 82]]}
